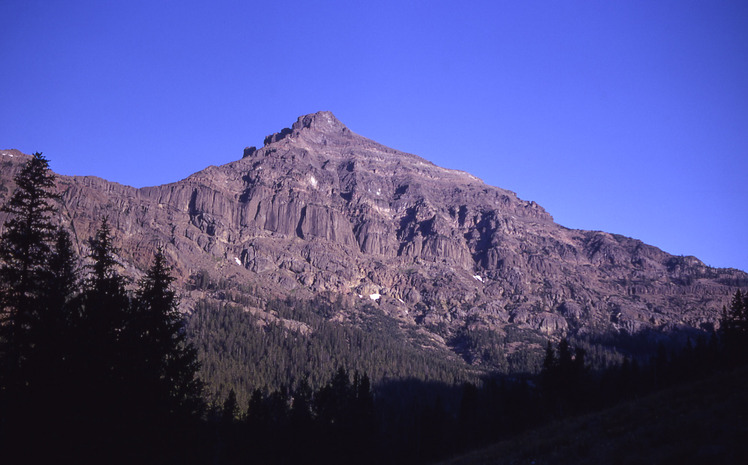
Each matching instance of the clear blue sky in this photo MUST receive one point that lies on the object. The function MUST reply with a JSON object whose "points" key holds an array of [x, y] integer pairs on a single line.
{"points": [[624, 116]]}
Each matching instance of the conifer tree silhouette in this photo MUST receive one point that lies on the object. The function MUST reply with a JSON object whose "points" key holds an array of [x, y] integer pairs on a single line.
{"points": [[167, 365], [24, 253]]}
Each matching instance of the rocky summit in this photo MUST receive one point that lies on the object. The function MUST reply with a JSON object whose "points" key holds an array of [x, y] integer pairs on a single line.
{"points": [[320, 210]]}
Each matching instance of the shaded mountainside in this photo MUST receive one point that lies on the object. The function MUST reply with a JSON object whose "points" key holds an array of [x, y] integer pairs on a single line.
{"points": [[461, 267]]}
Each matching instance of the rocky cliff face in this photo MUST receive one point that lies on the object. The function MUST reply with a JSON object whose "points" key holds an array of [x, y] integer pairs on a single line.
{"points": [[321, 209]]}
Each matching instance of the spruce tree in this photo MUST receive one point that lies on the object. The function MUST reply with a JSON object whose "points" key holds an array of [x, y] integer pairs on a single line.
{"points": [[167, 364], [101, 365], [54, 332], [165, 394], [549, 372], [24, 252], [734, 328], [230, 410], [56, 365], [25, 248], [105, 301], [63, 284]]}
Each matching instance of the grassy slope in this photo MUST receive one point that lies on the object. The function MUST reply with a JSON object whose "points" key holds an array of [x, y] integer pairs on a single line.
{"points": [[701, 422]]}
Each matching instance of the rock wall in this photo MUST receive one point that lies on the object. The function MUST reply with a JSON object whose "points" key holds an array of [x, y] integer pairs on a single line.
{"points": [[321, 209]]}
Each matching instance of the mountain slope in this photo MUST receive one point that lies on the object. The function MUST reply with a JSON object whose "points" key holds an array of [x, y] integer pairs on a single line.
{"points": [[698, 422], [321, 210]]}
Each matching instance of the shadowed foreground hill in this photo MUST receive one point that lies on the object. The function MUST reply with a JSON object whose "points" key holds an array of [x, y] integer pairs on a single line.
{"points": [[696, 423]]}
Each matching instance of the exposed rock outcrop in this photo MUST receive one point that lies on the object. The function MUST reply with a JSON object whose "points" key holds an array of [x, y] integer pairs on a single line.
{"points": [[319, 208]]}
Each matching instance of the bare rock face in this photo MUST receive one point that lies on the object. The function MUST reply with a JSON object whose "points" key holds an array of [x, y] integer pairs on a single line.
{"points": [[319, 208]]}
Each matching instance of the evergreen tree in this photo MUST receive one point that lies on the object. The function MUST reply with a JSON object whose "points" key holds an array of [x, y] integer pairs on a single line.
{"points": [[564, 358], [734, 328], [257, 416], [105, 308], [24, 253], [55, 329], [56, 366], [62, 283], [579, 366], [24, 270], [548, 374], [167, 365], [301, 424], [40, 349], [104, 393], [550, 362], [230, 410]]}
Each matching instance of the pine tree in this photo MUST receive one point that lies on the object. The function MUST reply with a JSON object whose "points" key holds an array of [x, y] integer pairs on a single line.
{"points": [[25, 248], [734, 328], [167, 364], [105, 294], [56, 364], [550, 362], [101, 362], [105, 303], [55, 329], [549, 372], [63, 283], [24, 252], [230, 409]]}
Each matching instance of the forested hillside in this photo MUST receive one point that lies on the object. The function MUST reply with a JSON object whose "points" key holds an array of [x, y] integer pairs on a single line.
{"points": [[243, 351]]}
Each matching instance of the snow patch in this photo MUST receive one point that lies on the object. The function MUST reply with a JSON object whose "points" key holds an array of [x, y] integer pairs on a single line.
{"points": [[374, 296], [401, 301], [478, 278], [379, 192], [238, 262], [313, 181]]}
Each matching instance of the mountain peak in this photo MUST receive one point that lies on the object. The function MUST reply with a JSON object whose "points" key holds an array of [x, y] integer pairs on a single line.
{"points": [[322, 121], [314, 124]]}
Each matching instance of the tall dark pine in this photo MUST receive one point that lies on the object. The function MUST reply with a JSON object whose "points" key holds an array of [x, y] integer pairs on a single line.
{"points": [[102, 367], [25, 363], [550, 367], [734, 328], [24, 250], [167, 364], [105, 304], [62, 285], [56, 363], [54, 332]]}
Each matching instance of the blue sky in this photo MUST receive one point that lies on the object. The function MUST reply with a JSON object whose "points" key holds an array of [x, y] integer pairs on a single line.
{"points": [[624, 116]]}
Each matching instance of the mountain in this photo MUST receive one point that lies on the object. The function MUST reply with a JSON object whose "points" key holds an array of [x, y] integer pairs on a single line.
{"points": [[457, 265]]}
